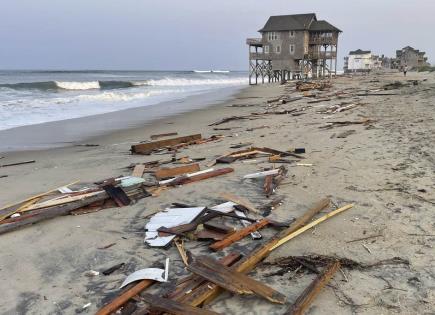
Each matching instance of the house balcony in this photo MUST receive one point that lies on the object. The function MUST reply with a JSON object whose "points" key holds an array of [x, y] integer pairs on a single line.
{"points": [[319, 40], [258, 42], [259, 56], [321, 55]]}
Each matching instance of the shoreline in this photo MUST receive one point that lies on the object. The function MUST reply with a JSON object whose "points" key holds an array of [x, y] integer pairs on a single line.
{"points": [[382, 162], [72, 131]]}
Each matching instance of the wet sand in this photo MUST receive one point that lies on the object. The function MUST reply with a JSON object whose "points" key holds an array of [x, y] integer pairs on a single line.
{"points": [[386, 168]]}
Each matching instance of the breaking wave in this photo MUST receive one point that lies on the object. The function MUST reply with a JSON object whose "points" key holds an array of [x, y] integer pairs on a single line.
{"points": [[110, 85]]}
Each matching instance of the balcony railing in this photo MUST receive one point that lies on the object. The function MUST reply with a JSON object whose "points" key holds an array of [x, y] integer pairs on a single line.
{"points": [[254, 41], [321, 55], [316, 40], [259, 56]]}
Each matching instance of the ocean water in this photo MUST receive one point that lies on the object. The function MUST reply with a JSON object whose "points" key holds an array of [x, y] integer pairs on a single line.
{"points": [[34, 97]]}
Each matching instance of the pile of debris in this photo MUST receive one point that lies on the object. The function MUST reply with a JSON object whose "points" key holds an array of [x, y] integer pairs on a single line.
{"points": [[209, 276], [318, 85], [72, 199]]}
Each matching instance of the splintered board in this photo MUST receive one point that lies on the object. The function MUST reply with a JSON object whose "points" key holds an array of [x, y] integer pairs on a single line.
{"points": [[147, 148]]}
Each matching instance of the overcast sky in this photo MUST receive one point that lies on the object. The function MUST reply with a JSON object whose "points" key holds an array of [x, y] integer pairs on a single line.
{"points": [[190, 34]]}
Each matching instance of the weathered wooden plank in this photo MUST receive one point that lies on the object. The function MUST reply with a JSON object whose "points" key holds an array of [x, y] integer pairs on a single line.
{"points": [[193, 281], [309, 294], [309, 226], [199, 177], [48, 213], [8, 209], [236, 279], [220, 277], [147, 148], [138, 170], [238, 235], [208, 290], [120, 300], [170, 306], [174, 171]]}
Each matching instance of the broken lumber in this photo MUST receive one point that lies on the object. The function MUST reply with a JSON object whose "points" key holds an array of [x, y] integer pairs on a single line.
{"points": [[310, 225], [191, 282], [48, 213], [195, 178], [309, 294], [238, 235], [208, 290], [170, 306], [147, 148], [233, 281], [17, 163], [227, 119], [138, 170], [174, 171], [120, 300]]}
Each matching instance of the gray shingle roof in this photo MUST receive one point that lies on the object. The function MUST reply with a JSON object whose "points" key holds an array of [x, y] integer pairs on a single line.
{"points": [[323, 26], [359, 52], [293, 22]]}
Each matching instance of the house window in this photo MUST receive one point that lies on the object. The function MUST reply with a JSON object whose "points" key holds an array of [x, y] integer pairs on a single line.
{"points": [[272, 35], [278, 49], [266, 49], [292, 49], [292, 33]]}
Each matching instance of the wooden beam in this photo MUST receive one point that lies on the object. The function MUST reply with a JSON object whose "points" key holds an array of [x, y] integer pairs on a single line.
{"points": [[138, 170], [48, 213], [120, 300], [224, 276], [309, 294], [193, 281], [170, 306], [147, 148], [238, 235], [309, 226], [174, 171], [199, 177], [208, 290]]}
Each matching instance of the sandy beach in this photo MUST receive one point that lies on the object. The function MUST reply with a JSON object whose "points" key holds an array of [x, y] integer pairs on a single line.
{"points": [[384, 166]]}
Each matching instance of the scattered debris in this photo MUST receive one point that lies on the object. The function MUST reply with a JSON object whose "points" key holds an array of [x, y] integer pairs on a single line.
{"points": [[155, 274], [17, 163], [148, 148], [112, 269], [309, 294]]}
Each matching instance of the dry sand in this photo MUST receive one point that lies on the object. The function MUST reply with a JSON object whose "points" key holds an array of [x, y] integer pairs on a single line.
{"points": [[385, 168]]}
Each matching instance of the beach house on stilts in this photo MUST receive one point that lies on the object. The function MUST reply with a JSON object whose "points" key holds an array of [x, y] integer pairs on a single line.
{"points": [[293, 46]]}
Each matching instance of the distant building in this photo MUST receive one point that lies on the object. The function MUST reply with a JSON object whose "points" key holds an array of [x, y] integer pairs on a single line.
{"points": [[362, 61], [408, 56], [293, 45]]}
